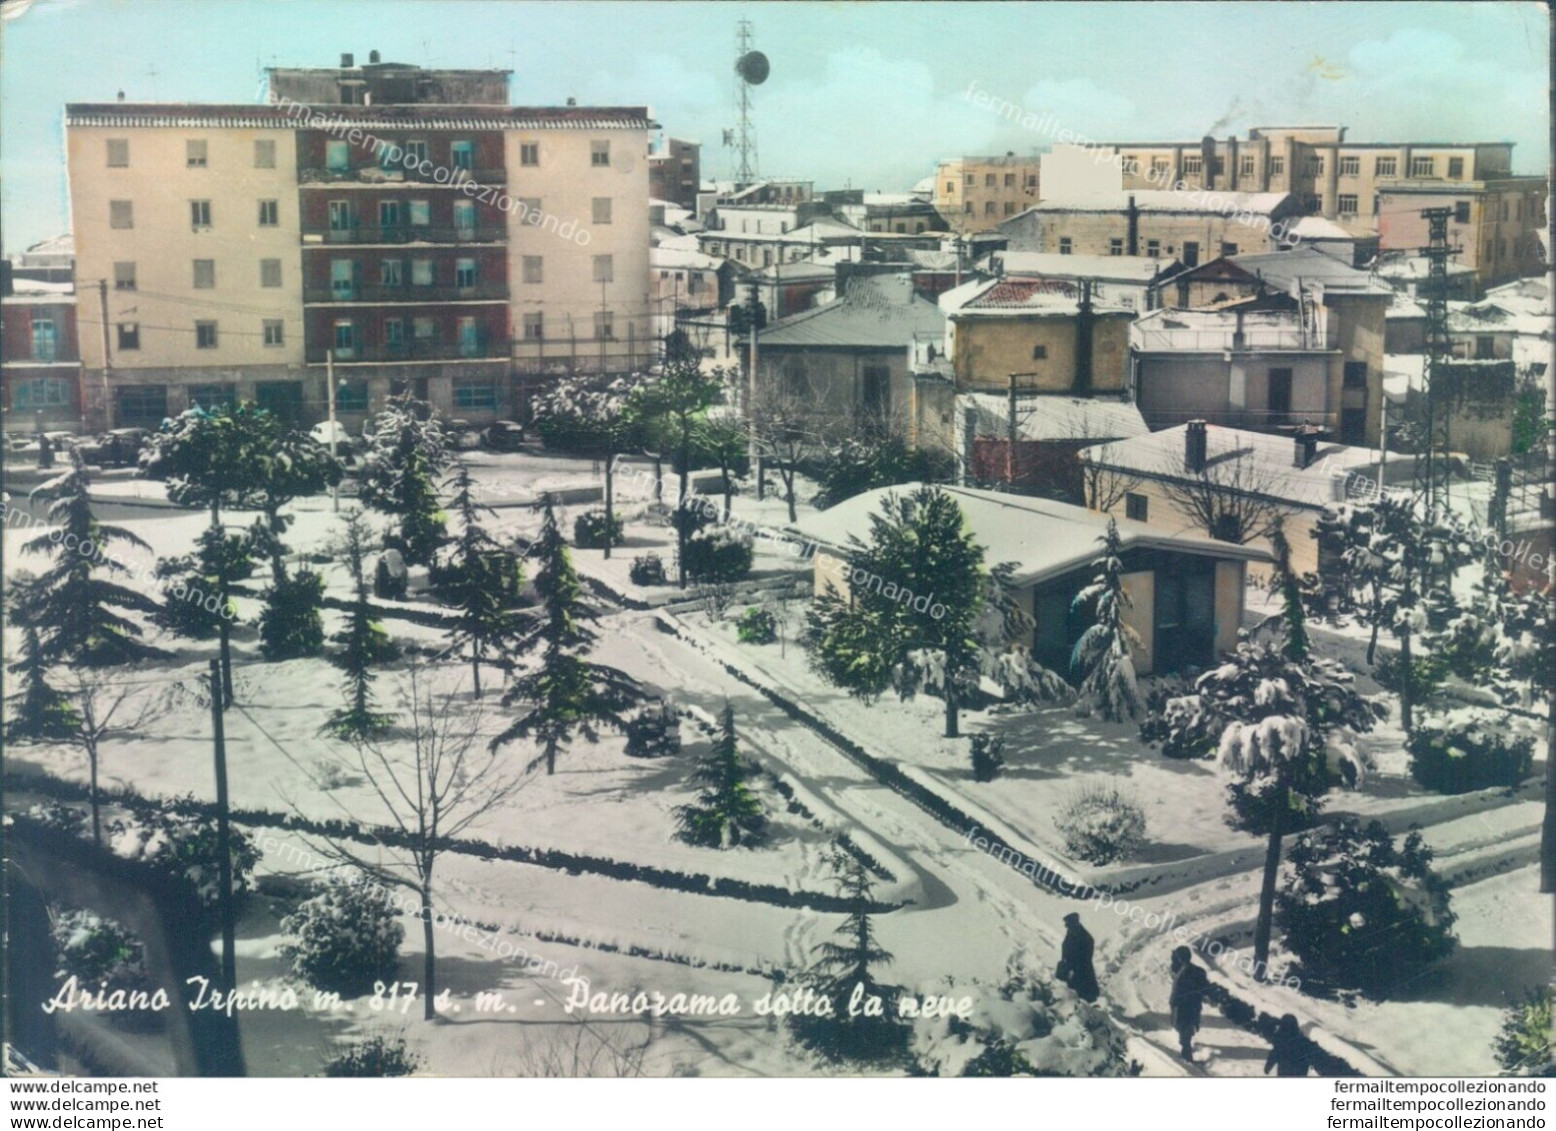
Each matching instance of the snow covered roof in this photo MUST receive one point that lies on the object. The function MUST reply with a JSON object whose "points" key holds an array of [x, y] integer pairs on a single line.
{"points": [[1308, 265], [1318, 228], [1045, 539], [34, 290], [675, 257], [1165, 200], [1110, 268], [132, 115], [1054, 417], [1267, 466], [875, 311], [1011, 297], [1398, 265]]}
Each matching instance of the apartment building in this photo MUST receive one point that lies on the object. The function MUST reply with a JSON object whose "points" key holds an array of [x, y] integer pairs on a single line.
{"points": [[975, 194], [404, 225], [1494, 226], [675, 172], [40, 355]]}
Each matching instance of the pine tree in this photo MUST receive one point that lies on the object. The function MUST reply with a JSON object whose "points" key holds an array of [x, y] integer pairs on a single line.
{"points": [[566, 694], [198, 593], [211, 458], [70, 605], [472, 580], [1109, 689], [363, 644], [409, 449], [727, 812], [42, 713], [598, 415]]}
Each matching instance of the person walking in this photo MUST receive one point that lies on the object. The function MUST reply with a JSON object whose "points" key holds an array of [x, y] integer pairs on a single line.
{"points": [[1188, 996], [1075, 965], [1289, 1054]]}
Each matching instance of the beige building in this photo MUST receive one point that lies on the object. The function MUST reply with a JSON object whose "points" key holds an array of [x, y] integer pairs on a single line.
{"points": [[974, 194], [1493, 225]]}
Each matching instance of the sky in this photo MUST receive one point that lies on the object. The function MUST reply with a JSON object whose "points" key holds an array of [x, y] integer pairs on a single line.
{"points": [[862, 94]]}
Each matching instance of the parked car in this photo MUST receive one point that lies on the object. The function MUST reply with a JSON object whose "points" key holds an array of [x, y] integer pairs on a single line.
{"points": [[348, 448], [119, 447], [503, 436], [463, 435]]}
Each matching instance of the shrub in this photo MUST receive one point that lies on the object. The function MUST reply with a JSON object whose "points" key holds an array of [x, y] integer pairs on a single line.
{"points": [[1102, 825], [1361, 913], [756, 626], [988, 756], [345, 938], [1467, 749], [291, 625], [180, 840], [1524, 1046], [589, 530], [718, 553], [98, 950], [647, 570], [376, 1056], [654, 731], [1429, 673]]}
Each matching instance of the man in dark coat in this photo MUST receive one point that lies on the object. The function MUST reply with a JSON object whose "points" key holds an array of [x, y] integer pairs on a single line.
{"points": [[1188, 995], [1075, 968]]}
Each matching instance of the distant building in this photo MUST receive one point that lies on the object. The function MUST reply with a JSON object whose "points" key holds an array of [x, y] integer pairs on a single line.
{"points": [[1049, 431], [1128, 281], [1494, 227], [40, 356], [675, 172], [48, 261], [975, 194], [898, 213], [1411, 275]]}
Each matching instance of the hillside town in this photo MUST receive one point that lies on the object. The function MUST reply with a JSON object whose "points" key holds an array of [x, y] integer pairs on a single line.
{"points": [[514, 590]]}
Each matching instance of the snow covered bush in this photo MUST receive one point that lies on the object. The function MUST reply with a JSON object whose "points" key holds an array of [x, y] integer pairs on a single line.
{"points": [[757, 626], [291, 625], [1105, 650], [1524, 1047], [647, 570], [1020, 1029], [727, 811], [589, 530], [345, 938], [98, 951], [988, 756], [654, 731], [1466, 749], [1102, 825], [376, 1056], [718, 553], [1360, 912], [180, 840]]}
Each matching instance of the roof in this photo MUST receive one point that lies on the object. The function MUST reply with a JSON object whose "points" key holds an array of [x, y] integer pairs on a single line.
{"points": [[1045, 539], [1399, 265], [1308, 265], [680, 257], [36, 290], [1111, 268], [820, 229], [1054, 417], [1165, 200], [296, 115], [1267, 470], [875, 311], [1318, 228], [1012, 296]]}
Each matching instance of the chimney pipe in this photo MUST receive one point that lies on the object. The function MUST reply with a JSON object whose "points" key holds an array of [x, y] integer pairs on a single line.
{"points": [[1132, 227], [1305, 447], [1194, 446], [347, 61], [373, 56], [1207, 151]]}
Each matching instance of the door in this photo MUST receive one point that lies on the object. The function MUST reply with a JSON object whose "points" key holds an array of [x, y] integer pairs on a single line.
{"points": [[469, 338], [464, 219], [45, 343], [1190, 254], [343, 279], [1185, 625], [342, 222], [1280, 395]]}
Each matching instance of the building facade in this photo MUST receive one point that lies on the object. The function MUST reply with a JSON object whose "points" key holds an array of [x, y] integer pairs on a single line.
{"points": [[40, 357], [974, 194], [1494, 225], [675, 172]]}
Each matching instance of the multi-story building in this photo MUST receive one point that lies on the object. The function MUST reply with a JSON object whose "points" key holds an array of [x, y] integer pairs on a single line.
{"points": [[974, 194], [40, 355], [1494, 226], [675, 172], [406, 226]]}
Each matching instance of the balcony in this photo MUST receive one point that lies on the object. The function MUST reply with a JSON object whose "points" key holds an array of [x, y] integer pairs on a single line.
{"points": [[379, 293], [403, 234], [376, 177], [1208, 338], [415, 351]]}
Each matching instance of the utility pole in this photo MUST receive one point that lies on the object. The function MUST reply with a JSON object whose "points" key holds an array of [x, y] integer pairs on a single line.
{"points": [[1010, 436], [223, 836], [1438, 349], [1383, 441], [755, 453], [102, 302], [329, 396]]}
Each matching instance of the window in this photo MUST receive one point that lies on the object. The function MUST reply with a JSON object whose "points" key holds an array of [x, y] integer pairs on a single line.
{"points": [[391, 273], [1153, 248], [600, 154], [351, 396], [45, 343], [344, 337], [602, 210], [1217, 165], [204, 274], [534, 327], [1136, 506], [419, 213], [388, 213], [529, 153], [415, 152], [41, 392], [1010, 180], [1031, 180], [424, 330], [1039, 352], [1485, 347], [464, 273], [971, 180], [394, 331], [1355, 374], [534, 269], [1065, 245], [270, 272], [988, 208], [968, 208], [604, 325], [1158, 169], [461, 154], [129, 335], [1310, 202], [213, 396], [1193, 165], [1010, 210], [1456, 168], [343, 279], [199, 213], [1245, 166], [118, 153], [1116, 247], [469, 336], [1461, 211], [1385, 167], [475, 394], [1315, 165], [1348, 204], [264, 153], [1277, 166], [604, 269], [142, 404], [194, 154], [121, 214], [343, 217], [124, 276], [1350, 166], [205, 335], [269, 213], [990, 180], [1190, 253], [337, 156], [421, 272], [1228, 249], [275, 332], [464, 219], [1422, 166], [950, 188]]}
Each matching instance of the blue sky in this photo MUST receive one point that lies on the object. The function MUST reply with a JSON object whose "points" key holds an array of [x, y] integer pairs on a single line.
{"points": [[861, 93]]}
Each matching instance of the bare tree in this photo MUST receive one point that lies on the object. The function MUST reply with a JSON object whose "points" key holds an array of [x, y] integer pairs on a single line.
{"points": [[1103, 486], [104, 710], [1233, 498], [574, 1051], [434, 782], [790, 426]]}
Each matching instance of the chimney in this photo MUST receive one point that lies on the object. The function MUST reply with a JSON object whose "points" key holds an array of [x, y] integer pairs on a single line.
{"points": [[1231, 161], [121, 96], [373, 56], [1194, 446], [1084, 323], [1305, 447], [1207, 150], [347, 61], [1132, 228]]}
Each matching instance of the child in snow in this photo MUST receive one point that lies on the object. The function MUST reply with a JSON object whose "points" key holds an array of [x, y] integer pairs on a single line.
{"points": [[1187, 1000], [1288, 1050]]}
